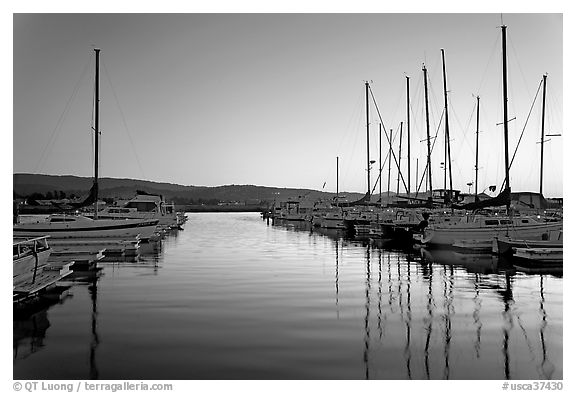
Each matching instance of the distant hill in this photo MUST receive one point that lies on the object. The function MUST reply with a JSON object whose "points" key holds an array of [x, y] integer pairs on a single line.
{"points": [[28, 184]]}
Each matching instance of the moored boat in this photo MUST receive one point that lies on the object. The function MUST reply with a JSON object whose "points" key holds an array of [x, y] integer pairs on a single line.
{"points": [[473, 245], [540, 255], [505, 246], [485, 228], [66, 226], [143, 206]]}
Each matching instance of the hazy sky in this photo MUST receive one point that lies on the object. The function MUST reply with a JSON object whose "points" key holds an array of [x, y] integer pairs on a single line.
{"points": [[273, 99]]}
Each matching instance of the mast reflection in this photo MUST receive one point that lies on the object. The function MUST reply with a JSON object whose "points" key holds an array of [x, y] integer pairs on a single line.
{"points": [[367, 317], [93, 290]]}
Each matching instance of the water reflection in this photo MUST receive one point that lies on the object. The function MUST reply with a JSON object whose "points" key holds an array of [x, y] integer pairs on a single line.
{"points": [[93, 290], [31, 318], [291, 302], [475, 287], [31, 322], [367, 316]]}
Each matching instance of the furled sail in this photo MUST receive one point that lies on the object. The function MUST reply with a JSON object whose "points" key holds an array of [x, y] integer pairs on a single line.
{"points": [[365, 200], [501, 199]]}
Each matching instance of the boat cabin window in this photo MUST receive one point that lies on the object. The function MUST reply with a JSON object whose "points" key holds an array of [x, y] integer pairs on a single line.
{"points": [[61, 219], [491, 222], [524, 221], [506, 222], [142, 206], [116, 210]]}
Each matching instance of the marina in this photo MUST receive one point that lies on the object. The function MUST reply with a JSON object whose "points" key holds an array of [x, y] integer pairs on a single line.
{"points": [[175, 265], [230, 297]]}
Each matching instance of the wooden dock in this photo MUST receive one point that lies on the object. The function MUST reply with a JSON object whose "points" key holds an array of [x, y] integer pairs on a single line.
{"points": [[42, 279]]}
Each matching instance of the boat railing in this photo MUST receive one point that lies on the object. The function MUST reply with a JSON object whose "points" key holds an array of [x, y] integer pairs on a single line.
{"points": [[26, 246]]}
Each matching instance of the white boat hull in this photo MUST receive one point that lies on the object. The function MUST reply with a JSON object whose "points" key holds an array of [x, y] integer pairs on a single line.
{"points": [[96, 229], [551, 255], [449, 235]]}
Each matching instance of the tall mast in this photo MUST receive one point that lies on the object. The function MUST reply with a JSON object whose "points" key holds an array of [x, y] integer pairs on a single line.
{"points": [[380, 162], [417, 188], [367, 141], [477, 132], [542, 138], [399, 162], [447, 160], [389, 166], [96, 127], [408, 127], [429, 163], [505, 97], [337, 159]]}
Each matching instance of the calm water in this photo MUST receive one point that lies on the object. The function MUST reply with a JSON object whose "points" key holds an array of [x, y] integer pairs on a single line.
{"points": [[232, 298]]}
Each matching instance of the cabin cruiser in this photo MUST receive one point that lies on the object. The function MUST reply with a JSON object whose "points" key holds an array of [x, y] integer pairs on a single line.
{"points": [[144, 206]]}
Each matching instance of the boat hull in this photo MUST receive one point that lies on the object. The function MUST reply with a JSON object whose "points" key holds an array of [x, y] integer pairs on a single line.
{"points": [[506, 246], [449, 235], [126, 229], [540, 255]]}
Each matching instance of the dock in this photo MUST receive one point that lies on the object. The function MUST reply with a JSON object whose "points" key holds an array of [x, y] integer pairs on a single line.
{"points": [[44, 278]]}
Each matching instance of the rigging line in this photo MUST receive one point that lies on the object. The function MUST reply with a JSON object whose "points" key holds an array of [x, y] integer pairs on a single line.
{"points": [[516, 57], [553, 115], [387, 137], [431, 151], [465, 134], [356, 119], [122, 117], [492, 52], [464, 139], [60, 121], [523, 129], [352, 117], [385, 160]]}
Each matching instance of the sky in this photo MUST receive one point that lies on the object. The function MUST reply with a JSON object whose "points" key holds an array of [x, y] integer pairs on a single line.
{"points": [[273, 99]]}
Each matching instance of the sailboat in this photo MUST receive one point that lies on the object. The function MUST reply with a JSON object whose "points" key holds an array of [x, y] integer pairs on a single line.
{"points": [[481, 227], [71, 226]]}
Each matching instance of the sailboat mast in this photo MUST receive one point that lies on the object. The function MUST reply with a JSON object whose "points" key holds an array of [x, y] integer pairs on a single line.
{"points": [[408, 127], [96, 127], [380, 163], [399, 162], [542, 138], [389, 167], [337, 198], [505, 103], [477, 132], [367, 141], [429, 167], [447, 160]]}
